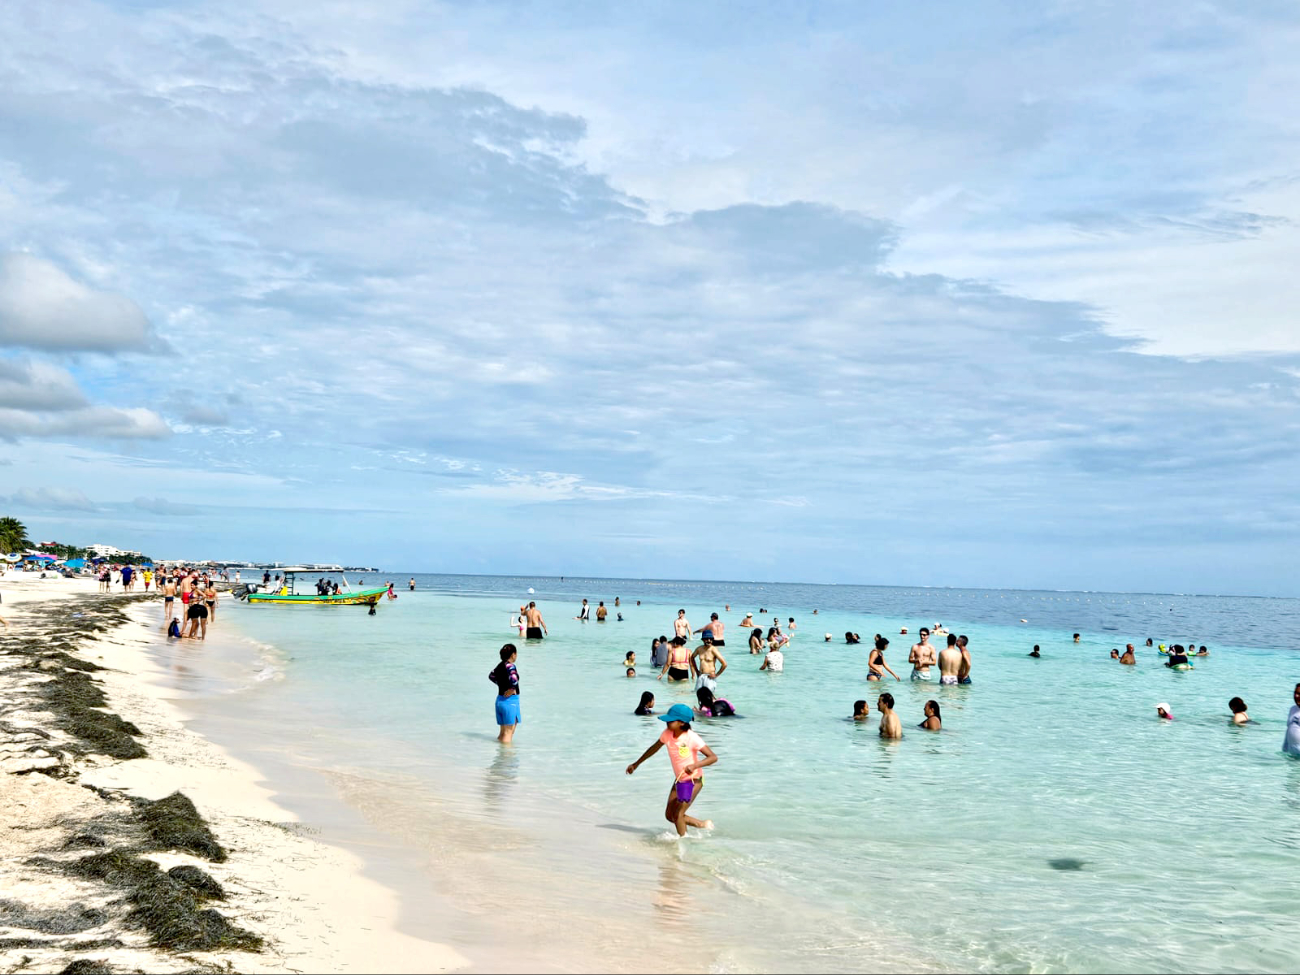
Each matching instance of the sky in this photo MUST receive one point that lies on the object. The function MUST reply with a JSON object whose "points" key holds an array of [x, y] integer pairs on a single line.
{"points": [[965, 294]]}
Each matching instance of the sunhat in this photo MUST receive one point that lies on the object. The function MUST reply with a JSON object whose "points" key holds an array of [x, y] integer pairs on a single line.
{"points": [[1162, 706], [678, 712]]}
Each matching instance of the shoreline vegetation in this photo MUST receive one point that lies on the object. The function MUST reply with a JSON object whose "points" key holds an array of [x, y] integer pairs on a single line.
{"points": [[129, 843]]}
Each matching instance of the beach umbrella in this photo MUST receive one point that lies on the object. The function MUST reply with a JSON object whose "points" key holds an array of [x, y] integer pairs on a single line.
{"points": [[75, 563]]}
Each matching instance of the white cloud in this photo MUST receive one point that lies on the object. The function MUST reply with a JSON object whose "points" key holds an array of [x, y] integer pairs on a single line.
{"points": [[41, 307], [38, 386], [52, 499], [92, 421]]}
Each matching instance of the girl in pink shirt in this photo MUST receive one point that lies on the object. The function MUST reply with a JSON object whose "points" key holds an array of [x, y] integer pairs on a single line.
{"points": [[684, 750]]}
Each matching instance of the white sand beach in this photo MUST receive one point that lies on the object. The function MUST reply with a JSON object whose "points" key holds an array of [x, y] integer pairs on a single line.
{"points": [[307, 900]]}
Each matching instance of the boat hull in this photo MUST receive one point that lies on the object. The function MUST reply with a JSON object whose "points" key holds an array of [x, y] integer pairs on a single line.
{"points": [[365, 597]]}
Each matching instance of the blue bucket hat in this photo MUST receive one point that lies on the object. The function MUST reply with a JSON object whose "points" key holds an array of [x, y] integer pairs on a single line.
{"points": [[678, 712]]}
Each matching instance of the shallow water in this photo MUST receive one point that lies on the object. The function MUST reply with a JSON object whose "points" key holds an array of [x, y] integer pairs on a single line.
{"points": [[1053, 825]]}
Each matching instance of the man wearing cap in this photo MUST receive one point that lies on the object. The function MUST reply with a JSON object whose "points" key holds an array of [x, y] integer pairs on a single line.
{"points": [[707, 664]]}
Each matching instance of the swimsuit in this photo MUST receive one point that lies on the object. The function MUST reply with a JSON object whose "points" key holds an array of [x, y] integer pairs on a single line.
{"points": [[534, 633], [706, 680], [946, 679], [963, 680], [919, 674], [678, 655]]}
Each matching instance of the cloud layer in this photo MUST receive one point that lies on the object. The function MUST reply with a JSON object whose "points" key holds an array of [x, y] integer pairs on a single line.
{"points": [[469, 328]]}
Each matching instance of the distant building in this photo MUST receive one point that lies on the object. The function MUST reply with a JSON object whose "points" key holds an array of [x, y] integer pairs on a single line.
{"points": [[109, 551]]}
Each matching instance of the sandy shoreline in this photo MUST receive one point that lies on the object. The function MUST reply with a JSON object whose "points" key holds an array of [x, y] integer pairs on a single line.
{"points": [[63, 800]]}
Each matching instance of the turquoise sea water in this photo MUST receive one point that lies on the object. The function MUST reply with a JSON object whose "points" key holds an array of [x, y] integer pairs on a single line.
{"points": [[1055, 824]]}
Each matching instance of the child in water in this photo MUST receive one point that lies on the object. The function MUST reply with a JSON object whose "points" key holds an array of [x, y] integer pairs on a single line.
{"points": [[647, 705], [713, 707], [684, 750], [630, 659]]}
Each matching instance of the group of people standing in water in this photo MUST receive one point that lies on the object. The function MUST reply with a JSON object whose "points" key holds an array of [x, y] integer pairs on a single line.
{"points": [[704, 664]]}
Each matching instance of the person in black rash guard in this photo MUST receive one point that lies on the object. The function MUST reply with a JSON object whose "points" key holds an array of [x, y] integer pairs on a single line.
{"points": [[506, 678]]}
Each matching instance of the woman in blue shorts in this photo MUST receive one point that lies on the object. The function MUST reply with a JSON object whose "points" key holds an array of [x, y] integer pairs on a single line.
{"points": [[506, 678]]}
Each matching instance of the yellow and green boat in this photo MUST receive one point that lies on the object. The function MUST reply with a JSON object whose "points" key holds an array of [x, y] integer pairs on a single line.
{"points": [[286, 595]]}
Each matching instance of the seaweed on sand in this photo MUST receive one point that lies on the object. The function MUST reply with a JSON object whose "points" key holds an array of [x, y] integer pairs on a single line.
{"points": [[74, 919], [74, 699], [87, 966], [169, 909], [174, 824]]}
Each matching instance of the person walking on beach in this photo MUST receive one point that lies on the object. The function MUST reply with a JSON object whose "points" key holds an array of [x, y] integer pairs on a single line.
{"points": [[922, 657], [169, 600], [685, 748], [506, 677], [890, 725], [536, 626], [963, 671], [707, 664], [949, 661], [197, 614], [210, 599], [682, 626], [876, 665]]}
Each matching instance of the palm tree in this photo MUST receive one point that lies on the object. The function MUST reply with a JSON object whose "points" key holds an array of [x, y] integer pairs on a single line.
{"points": [[13, 535]]}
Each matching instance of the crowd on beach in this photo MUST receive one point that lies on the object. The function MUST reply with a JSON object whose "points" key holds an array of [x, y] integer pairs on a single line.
{"points": [[704, 664]]}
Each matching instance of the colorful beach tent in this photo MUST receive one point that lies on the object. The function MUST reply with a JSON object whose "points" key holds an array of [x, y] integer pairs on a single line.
{"points": [[75, 563]]}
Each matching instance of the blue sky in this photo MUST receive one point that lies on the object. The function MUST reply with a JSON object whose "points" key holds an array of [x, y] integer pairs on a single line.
{"points": [[960, 294]]}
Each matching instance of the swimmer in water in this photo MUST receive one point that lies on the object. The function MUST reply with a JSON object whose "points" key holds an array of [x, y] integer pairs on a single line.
{"points": [[963, 670], [713, 707], [851, 638], [630, 659], [631, 671], [1127, 656], [647, 705], [756, 640], [922, 657], [890, 726], [1114, 653], [1291, 740], [678, 664], [876, 665], [1238, 708], [1163, 712], [860, 711], [949, 662], [932, 721], [685, 748], [1035, 652]]}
